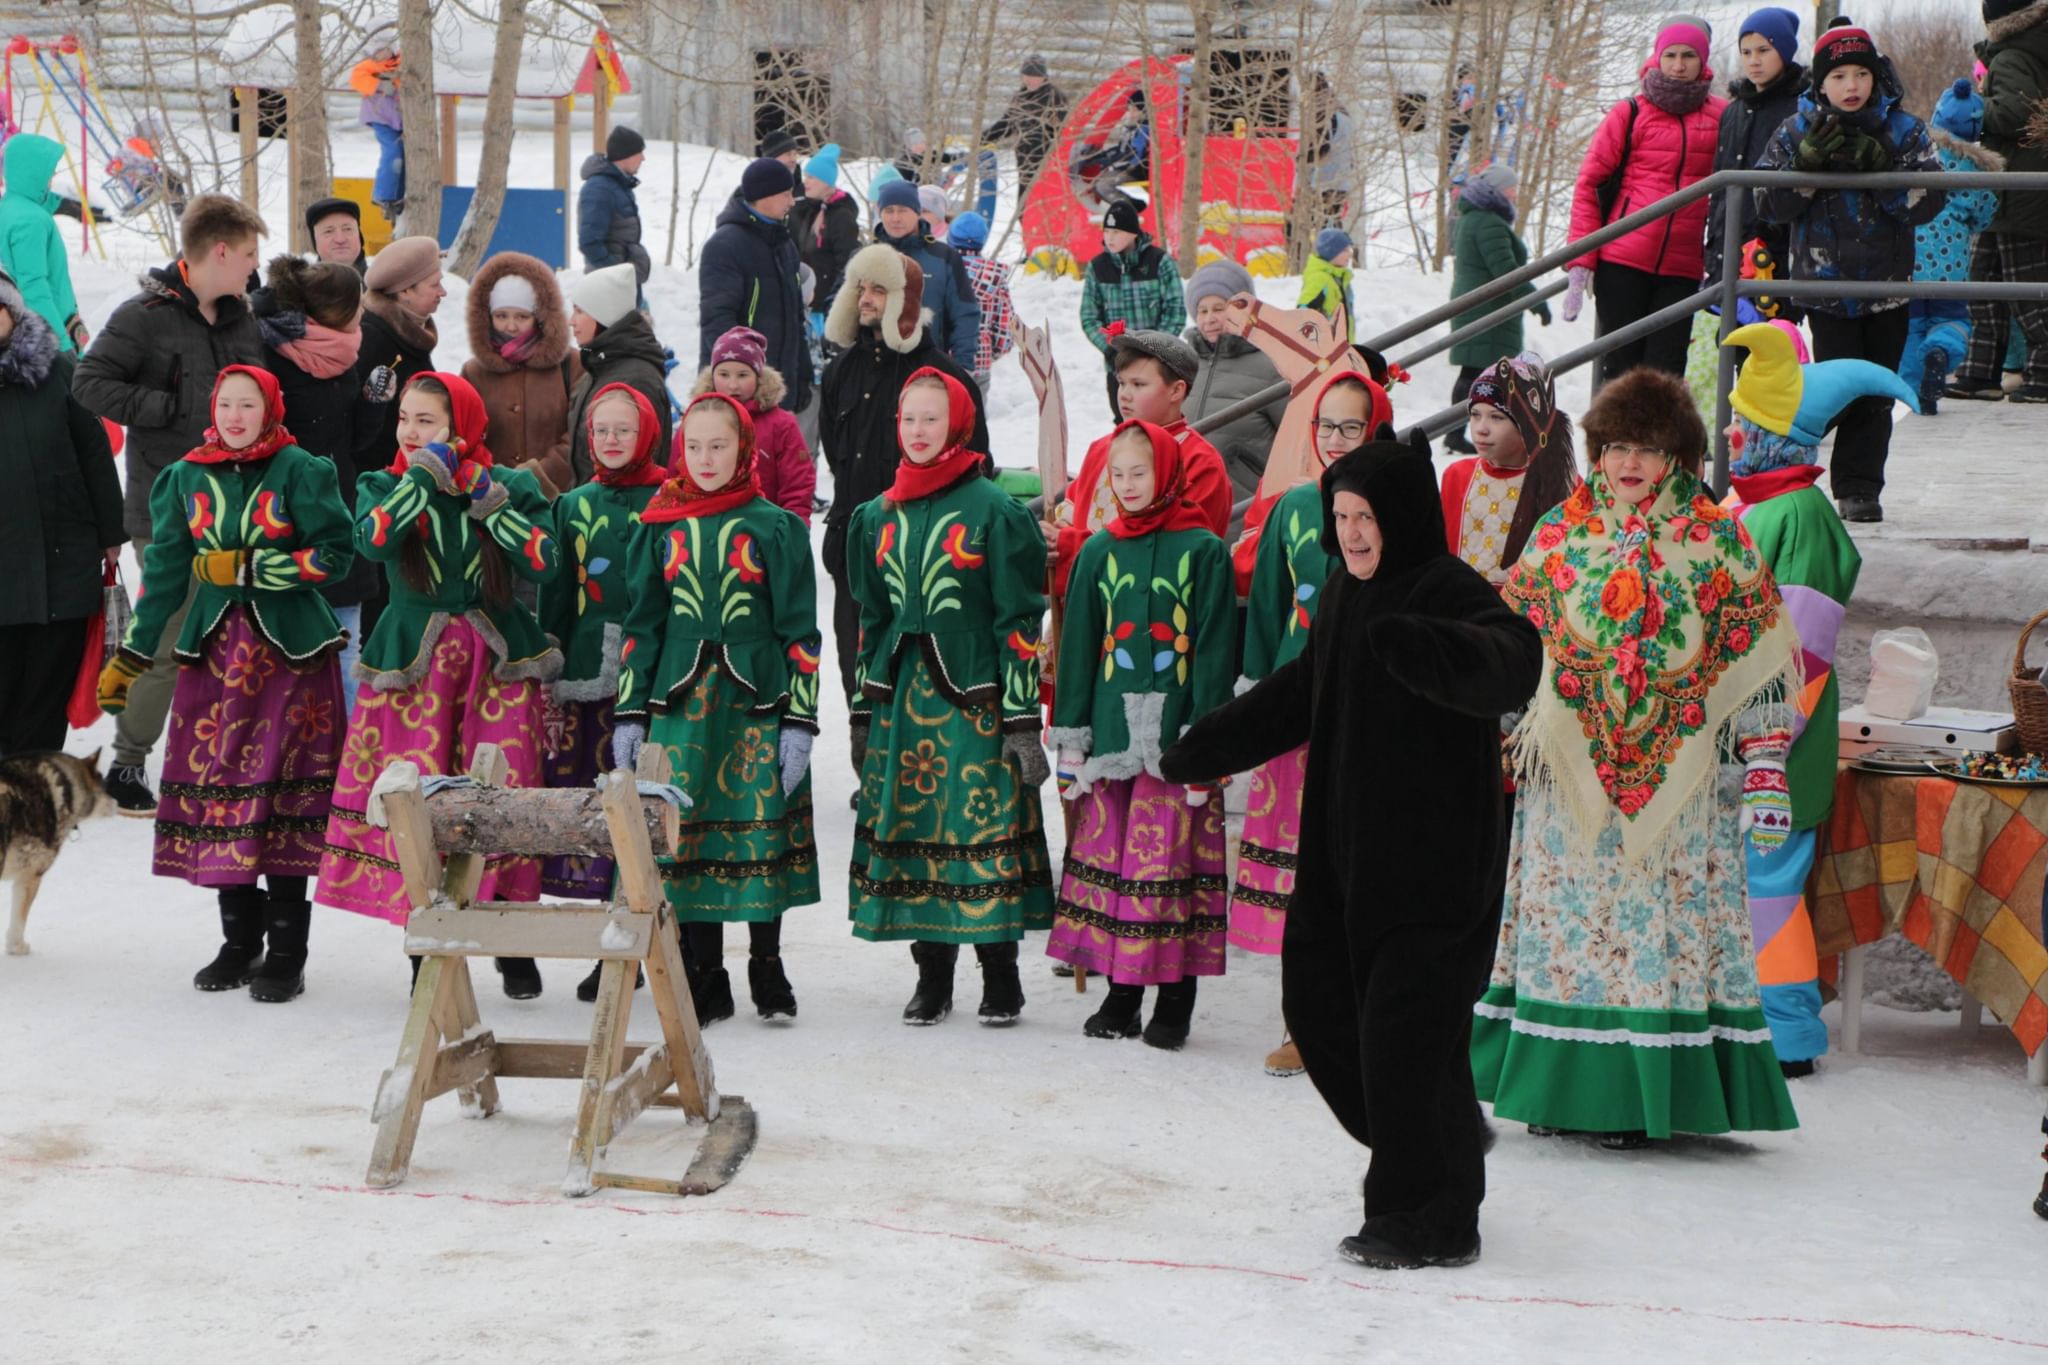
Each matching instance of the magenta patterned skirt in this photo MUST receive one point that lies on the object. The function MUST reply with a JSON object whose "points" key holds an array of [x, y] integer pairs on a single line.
{"points": [[249, 761], [1267, 853], [1142, 894], [437, 722], [582, 751]]}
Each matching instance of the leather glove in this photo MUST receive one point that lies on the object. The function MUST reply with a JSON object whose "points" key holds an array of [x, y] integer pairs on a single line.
{"points": [[381, 386], [220, 568], [627, 737], [486, 494], [1072, 785], [1032, 769], [794, 750], [437, 461], [1766, 797], [115, 680], [1823, 143], [1865, 153], [857, 744], [1575, 292]]}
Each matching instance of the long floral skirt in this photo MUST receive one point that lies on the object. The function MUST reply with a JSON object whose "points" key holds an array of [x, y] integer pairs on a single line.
{"points": [[747, 853], [437, 722], [582, 751], [948, 843], [1624, 994], [249, 761], [1268, 853], [1142, 893]]}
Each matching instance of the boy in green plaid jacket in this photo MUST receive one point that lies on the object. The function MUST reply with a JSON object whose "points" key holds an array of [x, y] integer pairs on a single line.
{"points": [[1132, 286]]}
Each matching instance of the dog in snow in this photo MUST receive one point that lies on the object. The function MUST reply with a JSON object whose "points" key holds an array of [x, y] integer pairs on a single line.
{"points": [[43, 797]]}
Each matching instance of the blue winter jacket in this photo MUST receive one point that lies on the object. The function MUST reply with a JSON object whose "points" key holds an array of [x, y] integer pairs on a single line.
{"points": [[608, 219], [1852, 234], [948, 293]]}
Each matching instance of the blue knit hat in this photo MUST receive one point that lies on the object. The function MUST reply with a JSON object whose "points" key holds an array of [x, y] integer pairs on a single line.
{"points": [[1331, 242], [1776, 26], [825, 165], [969, 232], [1960, 111], [898, 194]]}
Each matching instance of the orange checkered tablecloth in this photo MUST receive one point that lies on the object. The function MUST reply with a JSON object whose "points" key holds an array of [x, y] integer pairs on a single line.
{"points": [[1958, 868]]}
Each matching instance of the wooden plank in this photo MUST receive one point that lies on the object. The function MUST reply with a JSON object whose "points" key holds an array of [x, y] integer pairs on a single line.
{"points": [[639, 884], [412, 844], [600, 114], [538, 822], [465, 870], [484, 930], [248, 116], [653, 766], [635, 1087], [448, 138], [550, 1060], [601, 1063], [724, 1150], [464, 1066], [479, 1100], [695, 1083], [402, 1093], [562, 108]]}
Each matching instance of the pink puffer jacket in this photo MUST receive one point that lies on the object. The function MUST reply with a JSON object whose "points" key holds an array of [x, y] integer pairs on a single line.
{"points": [[1665, 154]]}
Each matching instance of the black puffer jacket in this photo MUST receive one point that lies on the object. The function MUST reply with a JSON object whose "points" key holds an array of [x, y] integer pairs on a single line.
{"points": [[393, 337], [321, 415], [1747, 123], [827, 234], [627, 352], [747, 278], [63, 503]]}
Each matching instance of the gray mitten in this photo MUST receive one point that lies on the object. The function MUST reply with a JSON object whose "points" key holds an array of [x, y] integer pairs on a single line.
{"points": [[858, 744], [627, 737], [1029, 754], [794, 750]]}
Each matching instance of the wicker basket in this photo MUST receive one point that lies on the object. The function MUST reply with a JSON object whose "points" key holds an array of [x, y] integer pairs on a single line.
{"points": [[2029, 697]]}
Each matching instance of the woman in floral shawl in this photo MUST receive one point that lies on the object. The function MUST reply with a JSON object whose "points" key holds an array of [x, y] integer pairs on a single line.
{"points": [[1624, 996]]}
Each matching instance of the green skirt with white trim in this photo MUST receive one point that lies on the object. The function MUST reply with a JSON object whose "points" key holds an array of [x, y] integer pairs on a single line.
{"points": [[1624, 994]]}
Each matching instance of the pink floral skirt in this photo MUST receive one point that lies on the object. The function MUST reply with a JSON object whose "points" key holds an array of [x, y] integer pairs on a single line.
{"points": [[1268, 853], [1142, 894], [249, 760], [437, 722]]}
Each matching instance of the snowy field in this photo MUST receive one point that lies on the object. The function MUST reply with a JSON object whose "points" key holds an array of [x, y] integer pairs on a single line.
{"points": [[180, 1174]]}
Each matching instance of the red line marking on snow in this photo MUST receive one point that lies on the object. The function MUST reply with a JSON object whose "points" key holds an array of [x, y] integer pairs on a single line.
{"points": [[1006, 1244]]}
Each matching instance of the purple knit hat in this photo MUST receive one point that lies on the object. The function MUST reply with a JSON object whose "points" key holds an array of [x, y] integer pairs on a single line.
{"points": [[744, 345]]}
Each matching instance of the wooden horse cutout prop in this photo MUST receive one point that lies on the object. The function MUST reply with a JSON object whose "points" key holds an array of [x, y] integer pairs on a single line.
{"points": [[445, 1045]]}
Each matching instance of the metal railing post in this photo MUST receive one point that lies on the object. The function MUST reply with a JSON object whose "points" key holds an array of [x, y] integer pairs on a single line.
{"points": [[1724, 357]]}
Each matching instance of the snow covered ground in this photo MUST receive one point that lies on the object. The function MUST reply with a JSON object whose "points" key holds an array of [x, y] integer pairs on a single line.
{"points": [[180, 1174]]}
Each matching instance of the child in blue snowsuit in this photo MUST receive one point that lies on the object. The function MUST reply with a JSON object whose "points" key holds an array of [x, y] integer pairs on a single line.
{"points": [[1940, 328]]}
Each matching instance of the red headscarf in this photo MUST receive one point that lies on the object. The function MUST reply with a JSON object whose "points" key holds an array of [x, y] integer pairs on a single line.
{"points": [[268, 442], [956, 462], [1379, 409], [467, 421], [681, 498], [641, 471], [1170, 508]]}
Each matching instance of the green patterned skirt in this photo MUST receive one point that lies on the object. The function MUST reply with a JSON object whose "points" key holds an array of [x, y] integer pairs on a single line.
{"points": [[747, 852], [949, 845]]}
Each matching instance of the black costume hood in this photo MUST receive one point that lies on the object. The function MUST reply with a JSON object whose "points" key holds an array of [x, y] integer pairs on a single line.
{"points": [[1397, 478]]}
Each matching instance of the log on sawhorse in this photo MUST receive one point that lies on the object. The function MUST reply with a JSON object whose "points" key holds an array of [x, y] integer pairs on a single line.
{"points": [[445, 1045]]}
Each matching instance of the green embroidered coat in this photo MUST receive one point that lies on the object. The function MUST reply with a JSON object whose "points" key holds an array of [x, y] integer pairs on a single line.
{"points": [[737, 589], [286, 511], [584, 606], [1164, 607], [392, 508], [960, 575], [1287, 581]]}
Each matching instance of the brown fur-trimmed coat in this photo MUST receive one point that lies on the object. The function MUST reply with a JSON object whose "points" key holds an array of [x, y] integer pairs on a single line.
{"points": [[528, 404]]}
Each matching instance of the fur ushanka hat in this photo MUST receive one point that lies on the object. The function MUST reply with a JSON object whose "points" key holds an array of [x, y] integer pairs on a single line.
{"points": [[905, 317], [1647, 407]]}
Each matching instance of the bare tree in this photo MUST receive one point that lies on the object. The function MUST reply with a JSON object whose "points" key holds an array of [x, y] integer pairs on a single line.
{"points": [[422, 213], [474, 238], [309, 110], [1194, 157]]}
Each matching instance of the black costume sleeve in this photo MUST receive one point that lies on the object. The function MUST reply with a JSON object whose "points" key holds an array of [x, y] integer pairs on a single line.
{"points": [[1264, 723], [1469, 652]]}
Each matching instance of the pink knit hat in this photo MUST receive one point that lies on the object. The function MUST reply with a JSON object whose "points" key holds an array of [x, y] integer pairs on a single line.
{"points": [[1688, 30], [743, 345]]}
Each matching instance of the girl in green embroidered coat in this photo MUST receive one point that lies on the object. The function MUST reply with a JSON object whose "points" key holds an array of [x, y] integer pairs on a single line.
{"points": [[249, 525], [722, 652], [455, 661], [949, 844], [1142, 897], [584, 609]]}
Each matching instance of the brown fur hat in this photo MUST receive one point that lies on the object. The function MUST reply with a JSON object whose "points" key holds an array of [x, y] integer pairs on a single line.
{"points": [[1647, 407]]}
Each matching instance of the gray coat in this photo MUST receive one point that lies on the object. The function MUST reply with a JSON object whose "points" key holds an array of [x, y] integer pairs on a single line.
{"points": [[1233, 369]]}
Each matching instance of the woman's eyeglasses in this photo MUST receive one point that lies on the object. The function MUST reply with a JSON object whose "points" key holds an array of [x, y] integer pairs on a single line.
{"points": [[1622, 450], [1350, 431]]}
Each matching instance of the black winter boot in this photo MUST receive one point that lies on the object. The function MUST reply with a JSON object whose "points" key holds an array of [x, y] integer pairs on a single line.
{"points": [[1002, 994], [1118, 1017], [586, 989], [934, 998], [712, 991], [1175, 1006], [520, 976], [774, 998], [283, 974], [241, 932]]}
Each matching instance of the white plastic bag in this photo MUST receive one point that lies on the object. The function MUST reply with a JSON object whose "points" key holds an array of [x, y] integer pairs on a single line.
{"points": [[1903, 667]]}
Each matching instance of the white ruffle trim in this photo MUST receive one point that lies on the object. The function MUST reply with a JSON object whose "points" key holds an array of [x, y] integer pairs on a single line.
{"points": [[1562, 1034]]}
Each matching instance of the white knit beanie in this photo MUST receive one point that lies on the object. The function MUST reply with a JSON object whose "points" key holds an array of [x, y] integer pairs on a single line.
{"points": [[608, 294], [515, 291]]}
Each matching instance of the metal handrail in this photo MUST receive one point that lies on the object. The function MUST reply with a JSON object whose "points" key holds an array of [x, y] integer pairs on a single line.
{"points": [[1483, 324], [1724, 293]]}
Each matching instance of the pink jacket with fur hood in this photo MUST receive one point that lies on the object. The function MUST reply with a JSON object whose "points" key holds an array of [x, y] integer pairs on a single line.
{"points": [[782, 462], [1665, 154]]}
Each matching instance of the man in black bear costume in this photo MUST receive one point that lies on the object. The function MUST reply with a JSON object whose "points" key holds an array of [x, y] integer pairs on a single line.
{"points": [[1411, 663]]}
